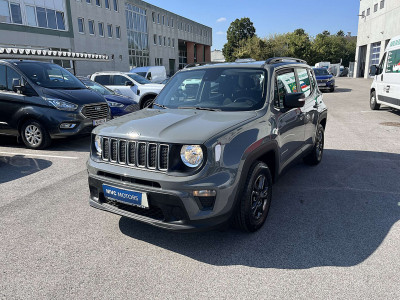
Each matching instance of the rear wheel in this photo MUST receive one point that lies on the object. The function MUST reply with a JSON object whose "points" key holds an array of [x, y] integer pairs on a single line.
{"points": [[255, 199], [34, 135], [372, 101], [147, 102]]}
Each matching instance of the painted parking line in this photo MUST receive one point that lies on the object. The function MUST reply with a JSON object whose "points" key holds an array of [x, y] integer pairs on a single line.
{"points": [[39, 155]]}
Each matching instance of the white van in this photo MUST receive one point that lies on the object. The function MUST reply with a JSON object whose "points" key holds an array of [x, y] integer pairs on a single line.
{"points": [[385, 88], [156, 74]]}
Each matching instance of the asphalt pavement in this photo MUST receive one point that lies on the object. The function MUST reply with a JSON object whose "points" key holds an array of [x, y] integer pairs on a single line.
{"points": [[333, 231]]}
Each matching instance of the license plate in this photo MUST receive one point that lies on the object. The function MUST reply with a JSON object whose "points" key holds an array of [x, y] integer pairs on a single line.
{"points": [[321, 84], [125, 196], [99, 122]]}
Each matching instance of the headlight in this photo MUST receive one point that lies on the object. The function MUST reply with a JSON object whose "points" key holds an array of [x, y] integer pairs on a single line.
{"points": [[114, 104], [97, 144], [192, 155], [62, 104]]}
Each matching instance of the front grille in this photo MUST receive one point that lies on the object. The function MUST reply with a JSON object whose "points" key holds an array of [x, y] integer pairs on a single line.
{"points": [[138, 154], [323, 80], [95, 111]]}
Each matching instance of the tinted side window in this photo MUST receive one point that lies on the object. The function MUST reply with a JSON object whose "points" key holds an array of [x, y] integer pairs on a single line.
{"points": [[103, 79], [3, 80], [382, 63], [304, 81], [120, 80], [393, 62], [11, 74], [312, 80], [285, 84]]}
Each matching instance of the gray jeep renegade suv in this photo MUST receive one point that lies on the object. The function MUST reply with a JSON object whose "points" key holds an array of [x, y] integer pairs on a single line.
{"points": [[209, 149]]}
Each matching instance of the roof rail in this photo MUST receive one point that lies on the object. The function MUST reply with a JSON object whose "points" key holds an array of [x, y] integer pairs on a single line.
{"points": [[198, 64], [244, 60], [275, 60]]}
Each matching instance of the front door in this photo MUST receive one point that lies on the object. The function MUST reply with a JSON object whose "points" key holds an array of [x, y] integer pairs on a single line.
{"points": [[391, 82]]}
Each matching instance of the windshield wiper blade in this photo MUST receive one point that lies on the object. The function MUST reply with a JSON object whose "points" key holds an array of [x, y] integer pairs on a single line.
{"points": [[199, 108], [160, 105]]}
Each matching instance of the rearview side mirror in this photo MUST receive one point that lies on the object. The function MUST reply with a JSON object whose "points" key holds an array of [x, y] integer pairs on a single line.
{"points": [[129, 83], [294, 100], [17, 86], [373, 70]]}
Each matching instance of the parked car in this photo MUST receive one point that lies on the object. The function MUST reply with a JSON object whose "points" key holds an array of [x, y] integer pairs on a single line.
{"points": [[129, 84], [41, 101], [156, 74], [385, 88], [194, 163], [325, 80], [120, 105]]}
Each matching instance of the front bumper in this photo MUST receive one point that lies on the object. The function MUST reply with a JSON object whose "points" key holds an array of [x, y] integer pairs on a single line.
{"points": [[326, 85], [172, 205]]}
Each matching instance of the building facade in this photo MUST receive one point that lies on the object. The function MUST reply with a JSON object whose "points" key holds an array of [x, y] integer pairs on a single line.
{"points": [[131, 33], [378, 22]]}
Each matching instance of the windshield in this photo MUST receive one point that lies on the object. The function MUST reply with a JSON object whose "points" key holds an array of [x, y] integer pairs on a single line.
{"points": [[227, 89], [143, 74], [139, 78], [50, 76], [321, 72], [98, 88]]}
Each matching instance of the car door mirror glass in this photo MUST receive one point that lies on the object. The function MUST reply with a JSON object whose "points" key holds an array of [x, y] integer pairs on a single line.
{"points": [[373, 70], [129, 83], [17, 87]]}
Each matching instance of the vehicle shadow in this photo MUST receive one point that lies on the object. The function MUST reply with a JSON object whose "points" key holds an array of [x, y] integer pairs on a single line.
{"points": [[334, 214], [74, 144], [17, 166], [342, 90]]}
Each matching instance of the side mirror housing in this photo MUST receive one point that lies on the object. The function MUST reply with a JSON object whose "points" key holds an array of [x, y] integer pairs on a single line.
{"points": [[17, 86], [129, 83], [294, 100], [373, 70]]}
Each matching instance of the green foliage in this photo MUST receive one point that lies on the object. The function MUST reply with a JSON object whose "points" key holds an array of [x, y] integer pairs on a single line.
{"points": [[239, 30], [324, 47]]}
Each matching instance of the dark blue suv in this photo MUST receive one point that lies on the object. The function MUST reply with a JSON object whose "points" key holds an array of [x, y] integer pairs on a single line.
{"points": [[325, 80]]}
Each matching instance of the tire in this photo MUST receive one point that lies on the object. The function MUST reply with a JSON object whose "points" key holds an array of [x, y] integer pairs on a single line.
{"points": [[315, 156], [372, 101], [255, 199], [332, 89], [34, 135], [147, 102]]}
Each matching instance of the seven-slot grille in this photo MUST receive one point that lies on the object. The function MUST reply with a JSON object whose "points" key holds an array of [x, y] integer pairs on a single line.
{"points": [[136, 153], [95, 111]]}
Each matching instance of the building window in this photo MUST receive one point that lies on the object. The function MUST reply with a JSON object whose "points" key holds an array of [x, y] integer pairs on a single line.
{"points": [[169, 42], [60, 20], [158, 18], [4, 12], [363, 14], [382, 4], [172, 22], [118, 32], [158, 61], [368, 11], [173, 43], [31, 15], [163, 20], [16, 13], [88, 1], [167, 21], [155, 39], [91, 27], [159, 40], [165, 43], [98, 3], [110, 30], [375, 53], [376, 7], [153, 17], [101, 29], [107, 4], [115, 2], [81, 24], [181, 26]]}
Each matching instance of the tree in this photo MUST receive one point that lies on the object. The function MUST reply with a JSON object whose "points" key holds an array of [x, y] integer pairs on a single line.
{"points": [[239, 30], [299, 44]]}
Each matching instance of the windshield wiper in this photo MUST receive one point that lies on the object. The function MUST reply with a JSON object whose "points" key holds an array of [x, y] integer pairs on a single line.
{"points": [[160, 105], [199, 108]]}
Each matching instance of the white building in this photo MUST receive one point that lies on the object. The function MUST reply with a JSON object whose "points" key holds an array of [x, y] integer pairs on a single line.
{"points": [[379, 21]]}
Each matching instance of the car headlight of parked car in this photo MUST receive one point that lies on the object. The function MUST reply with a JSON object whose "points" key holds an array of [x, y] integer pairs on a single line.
{"points": [[61, 104], [114, 104], [192, 155], [97, 144]]}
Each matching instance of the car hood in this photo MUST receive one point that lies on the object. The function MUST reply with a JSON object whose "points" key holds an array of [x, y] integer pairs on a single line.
{"points": [[120, 99], [172, 125], [321, 77], [152, 86], [80, 97]]}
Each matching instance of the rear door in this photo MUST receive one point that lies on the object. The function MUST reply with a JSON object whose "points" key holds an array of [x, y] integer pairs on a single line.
{"points": [[289, 121], [10, 101], [119, 86], [391, 83]]}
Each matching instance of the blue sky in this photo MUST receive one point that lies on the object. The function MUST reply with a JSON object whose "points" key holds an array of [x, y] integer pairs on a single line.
{"points": [[268, 16]]}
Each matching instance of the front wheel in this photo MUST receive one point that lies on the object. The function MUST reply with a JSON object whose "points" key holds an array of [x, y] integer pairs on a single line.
{"points": [[315, 156], [332, 89], [372, 101], [34, 135], [255, 198]]}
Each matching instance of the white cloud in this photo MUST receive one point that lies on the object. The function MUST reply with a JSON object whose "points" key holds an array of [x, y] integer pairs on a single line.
{"points": [[220, 32], [221, 20]]}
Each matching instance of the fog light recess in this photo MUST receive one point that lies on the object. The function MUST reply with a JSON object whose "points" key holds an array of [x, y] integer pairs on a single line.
{"points": [[67, 125]]}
